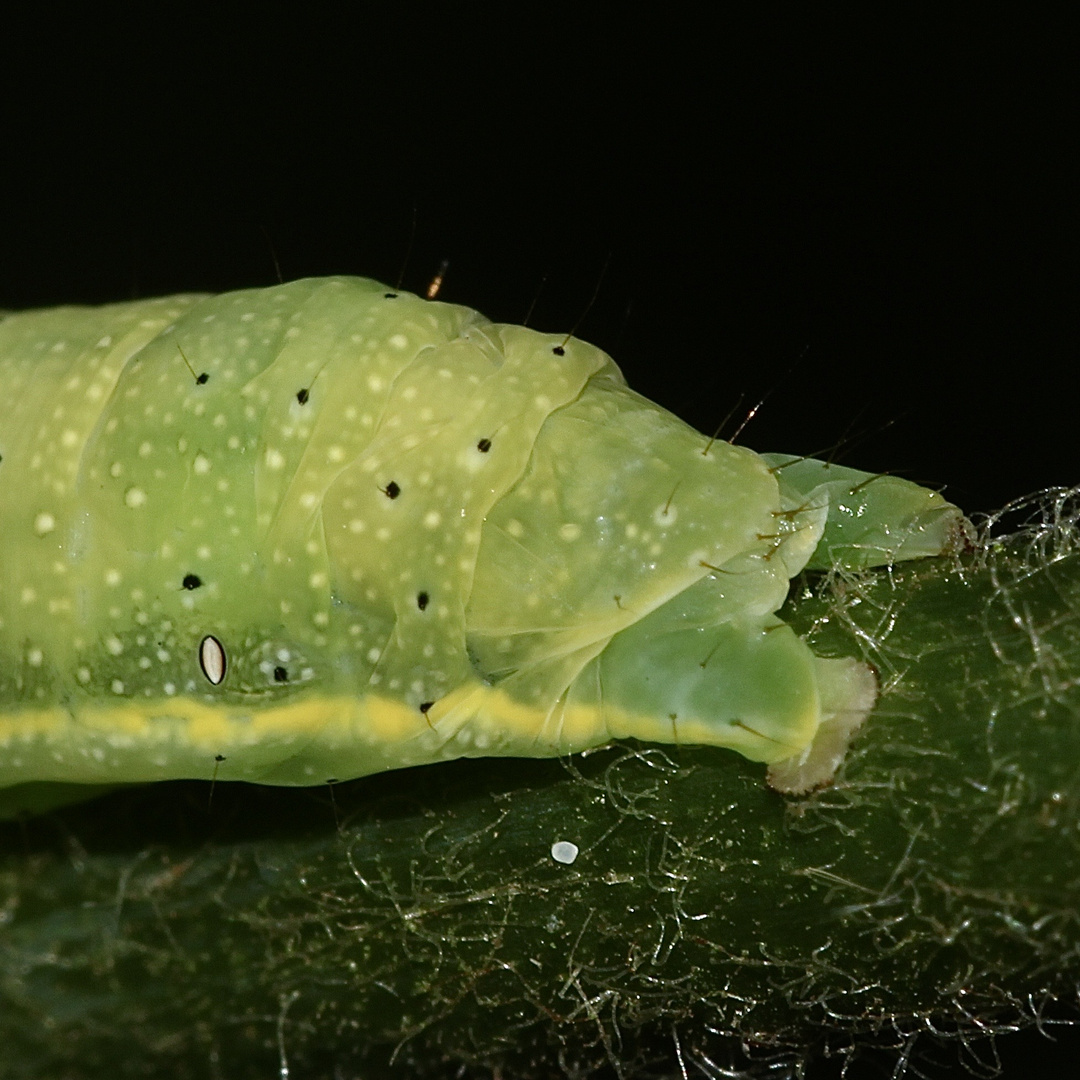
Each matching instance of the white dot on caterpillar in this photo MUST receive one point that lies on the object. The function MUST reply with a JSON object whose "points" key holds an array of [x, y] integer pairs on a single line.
{"points": [[212, 659], [665, 515]]}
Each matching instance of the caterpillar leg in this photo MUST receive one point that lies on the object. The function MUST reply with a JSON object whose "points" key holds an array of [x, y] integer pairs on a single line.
{"points": [[749, 684], [847, 690], [873, 519]]}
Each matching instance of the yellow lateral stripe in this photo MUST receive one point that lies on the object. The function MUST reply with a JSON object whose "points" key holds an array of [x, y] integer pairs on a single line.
{"points": [[372, 720]]}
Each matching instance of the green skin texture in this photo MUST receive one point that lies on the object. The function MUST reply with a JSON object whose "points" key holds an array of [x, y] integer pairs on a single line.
{"points": [[596, 558]]}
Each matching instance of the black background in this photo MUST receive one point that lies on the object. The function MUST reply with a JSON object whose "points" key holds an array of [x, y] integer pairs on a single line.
{"points": [[871, 218]]}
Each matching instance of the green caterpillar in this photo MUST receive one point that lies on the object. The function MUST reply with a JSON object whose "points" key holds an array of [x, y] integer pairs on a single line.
{"points": [[316, 531]]}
